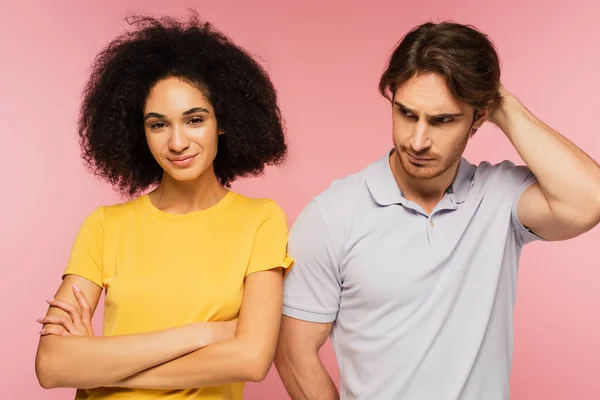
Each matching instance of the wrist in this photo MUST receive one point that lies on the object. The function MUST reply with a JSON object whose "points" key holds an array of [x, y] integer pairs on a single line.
{"points": [[506, 112]]}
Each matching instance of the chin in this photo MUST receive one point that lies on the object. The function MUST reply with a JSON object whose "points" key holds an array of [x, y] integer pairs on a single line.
{"points": [[183, 175], [422, 172]]}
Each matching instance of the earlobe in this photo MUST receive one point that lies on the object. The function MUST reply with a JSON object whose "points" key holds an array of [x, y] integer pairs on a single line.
{"points": [[480, 117], [479, 123]]}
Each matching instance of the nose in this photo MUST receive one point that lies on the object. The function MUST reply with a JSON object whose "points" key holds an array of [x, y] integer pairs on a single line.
{"points": [[178, 142], [420, 140]]}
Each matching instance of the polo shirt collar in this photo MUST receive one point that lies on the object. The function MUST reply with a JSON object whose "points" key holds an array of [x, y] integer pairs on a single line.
{"points": [[459, 190], [385, 191]]}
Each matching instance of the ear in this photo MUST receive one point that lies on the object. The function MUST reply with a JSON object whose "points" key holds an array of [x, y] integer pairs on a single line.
{"points": [[481, 116]]}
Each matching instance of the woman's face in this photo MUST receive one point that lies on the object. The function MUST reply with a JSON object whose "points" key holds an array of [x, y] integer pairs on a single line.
{"points": [[181, 129]]}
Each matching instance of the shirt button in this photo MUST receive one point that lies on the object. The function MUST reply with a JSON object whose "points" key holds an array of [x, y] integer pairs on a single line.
{"points": [[431, 223]]}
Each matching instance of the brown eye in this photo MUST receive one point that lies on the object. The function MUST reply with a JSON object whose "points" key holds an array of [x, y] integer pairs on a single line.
{"points": [[443, 120], [196, 120], [407, 113], [157, 125]]}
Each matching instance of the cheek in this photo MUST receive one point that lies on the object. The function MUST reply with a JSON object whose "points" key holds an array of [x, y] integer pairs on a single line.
{"points": [[401, 129], [155, 142], [206, 137], [449, 140]]}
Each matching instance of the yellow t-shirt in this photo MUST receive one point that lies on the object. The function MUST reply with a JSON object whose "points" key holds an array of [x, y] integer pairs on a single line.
{"points": [[162, 270]]}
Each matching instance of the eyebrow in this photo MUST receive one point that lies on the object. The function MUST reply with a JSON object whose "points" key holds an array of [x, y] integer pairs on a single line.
{"points": [[188, 112], [444, 115]]}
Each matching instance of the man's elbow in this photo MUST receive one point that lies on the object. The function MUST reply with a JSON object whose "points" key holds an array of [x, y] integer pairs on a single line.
{"points": [[570, 221], [590, 217], [597, 209], [592, 213]]}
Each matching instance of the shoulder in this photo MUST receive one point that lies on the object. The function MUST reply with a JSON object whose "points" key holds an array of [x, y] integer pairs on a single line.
{"points": [[331, 212], [121, 210], [110, 217], [343, 196], [503, 173], [258, 209], [257, 205]]}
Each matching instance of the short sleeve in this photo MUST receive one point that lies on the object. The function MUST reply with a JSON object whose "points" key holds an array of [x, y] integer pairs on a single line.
{"points": [[270, 243], [313, 287], [522, 178], [86, 254]]}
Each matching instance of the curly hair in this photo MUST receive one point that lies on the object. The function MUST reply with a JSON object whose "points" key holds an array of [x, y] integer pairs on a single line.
{"points": [[111, 127]]}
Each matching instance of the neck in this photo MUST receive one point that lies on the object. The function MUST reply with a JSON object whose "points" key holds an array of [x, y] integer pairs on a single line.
{"points": [[179, 197], [425, 192]]}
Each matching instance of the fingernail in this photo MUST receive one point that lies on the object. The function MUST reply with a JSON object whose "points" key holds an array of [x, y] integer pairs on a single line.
{"points": [[76, 289], [43, 331], [39, 320], [49, 301]]}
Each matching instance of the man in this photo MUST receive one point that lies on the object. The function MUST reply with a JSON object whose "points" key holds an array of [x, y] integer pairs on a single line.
{"points": [[411, 263]]}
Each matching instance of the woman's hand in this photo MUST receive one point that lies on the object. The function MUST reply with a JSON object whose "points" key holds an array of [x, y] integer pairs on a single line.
{"points": [[79, 323]]}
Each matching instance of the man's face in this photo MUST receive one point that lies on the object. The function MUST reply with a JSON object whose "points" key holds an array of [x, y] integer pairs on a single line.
{"points": [[431, 127]]}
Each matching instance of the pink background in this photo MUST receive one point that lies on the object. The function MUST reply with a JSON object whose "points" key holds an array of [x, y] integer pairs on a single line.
{"points": [[325, 59]]}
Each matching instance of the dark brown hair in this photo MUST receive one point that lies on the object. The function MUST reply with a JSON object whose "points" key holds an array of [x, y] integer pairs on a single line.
{"points": [[461, 54]]}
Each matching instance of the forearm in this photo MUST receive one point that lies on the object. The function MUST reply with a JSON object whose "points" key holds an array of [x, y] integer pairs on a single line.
{"points": [[247, 356], [305, 377], [230, 361], [93, 361], [568, 177]]}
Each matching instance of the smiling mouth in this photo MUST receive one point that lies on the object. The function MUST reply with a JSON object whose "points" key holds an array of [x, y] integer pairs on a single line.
{"points": [[183, 161]]}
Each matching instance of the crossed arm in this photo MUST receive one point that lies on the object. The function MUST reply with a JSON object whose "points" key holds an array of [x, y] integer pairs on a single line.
{"points": [[191, 356]]}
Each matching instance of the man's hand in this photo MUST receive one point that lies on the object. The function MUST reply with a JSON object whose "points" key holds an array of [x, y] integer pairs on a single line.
{"points": [[498, 114], [565, 200]]}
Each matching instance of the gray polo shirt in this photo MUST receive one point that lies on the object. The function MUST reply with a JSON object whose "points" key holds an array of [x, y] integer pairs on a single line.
{"points": [[422, 304]]}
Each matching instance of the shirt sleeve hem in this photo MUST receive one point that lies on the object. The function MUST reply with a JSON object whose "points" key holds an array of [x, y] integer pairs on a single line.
{"points": [[308, 315], [286, 264], [93, 280], [526, 235]]}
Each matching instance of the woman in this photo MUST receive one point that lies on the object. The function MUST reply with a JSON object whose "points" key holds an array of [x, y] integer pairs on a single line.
{"points": [[192, 271]]}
